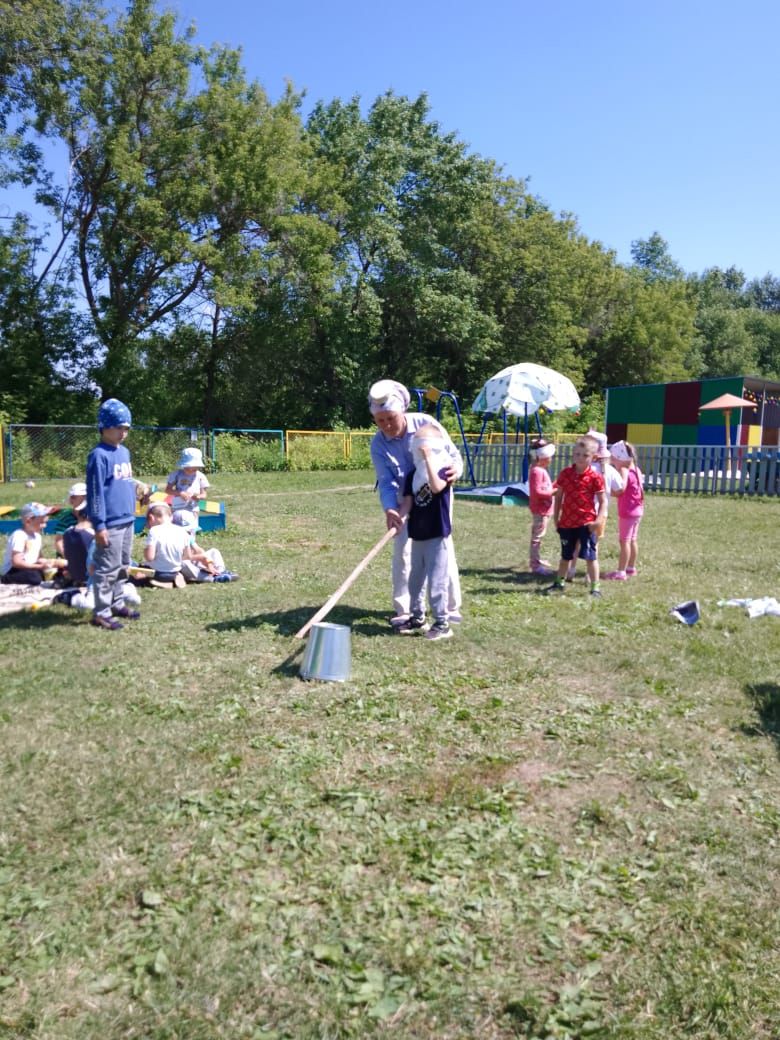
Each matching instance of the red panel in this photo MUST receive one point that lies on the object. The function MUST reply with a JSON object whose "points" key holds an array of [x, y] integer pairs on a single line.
{"points": [[681, 403], [616, 431]]}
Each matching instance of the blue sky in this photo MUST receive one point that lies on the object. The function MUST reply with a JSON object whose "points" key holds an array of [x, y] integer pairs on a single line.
{"points": [[634, 117]]}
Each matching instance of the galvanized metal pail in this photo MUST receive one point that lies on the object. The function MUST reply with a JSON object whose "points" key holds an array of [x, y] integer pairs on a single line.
{"points": [[328, 655]]}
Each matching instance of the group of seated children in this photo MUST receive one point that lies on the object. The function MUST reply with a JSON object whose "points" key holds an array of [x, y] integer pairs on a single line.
{"points": [[171, 549], [173, 553]]}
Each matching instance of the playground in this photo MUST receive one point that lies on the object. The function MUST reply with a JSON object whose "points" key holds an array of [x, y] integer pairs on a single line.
{"points": [[561, 823]]}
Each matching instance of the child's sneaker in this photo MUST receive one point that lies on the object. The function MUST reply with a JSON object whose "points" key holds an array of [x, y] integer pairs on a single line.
{"points": [[126, 613], [557, 586], [411, 626], [454, 617], [630, 572], [541, 570], [108, 623], [616, 576], [399, 619], [439, 630], [596, 592]]}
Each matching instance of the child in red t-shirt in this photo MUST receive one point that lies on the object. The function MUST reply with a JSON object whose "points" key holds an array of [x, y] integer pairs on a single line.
{"points": [[540, 503], [579, 507]]}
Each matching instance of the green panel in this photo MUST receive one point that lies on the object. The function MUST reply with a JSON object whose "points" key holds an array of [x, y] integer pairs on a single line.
{"points": [[619, 404], [713, 388], [636, 404], [680, 433]]}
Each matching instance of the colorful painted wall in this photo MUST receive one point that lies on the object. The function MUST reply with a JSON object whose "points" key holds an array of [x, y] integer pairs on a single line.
{"points": [[668, 413]]}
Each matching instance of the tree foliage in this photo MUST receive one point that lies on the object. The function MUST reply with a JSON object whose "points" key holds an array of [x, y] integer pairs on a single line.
{"points": [[219, 260]]}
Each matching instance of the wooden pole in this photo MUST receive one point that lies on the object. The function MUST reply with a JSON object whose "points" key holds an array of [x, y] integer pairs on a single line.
{"points": [[331, 603]]}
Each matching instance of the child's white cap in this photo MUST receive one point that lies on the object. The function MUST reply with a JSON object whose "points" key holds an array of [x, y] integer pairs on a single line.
{"points": [[544, 451], [79, 491], [191, 457]]}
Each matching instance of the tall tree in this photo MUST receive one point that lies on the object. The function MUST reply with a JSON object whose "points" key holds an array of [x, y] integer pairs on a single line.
{"points": [[652, 257], [41, 373], [167, 183]]}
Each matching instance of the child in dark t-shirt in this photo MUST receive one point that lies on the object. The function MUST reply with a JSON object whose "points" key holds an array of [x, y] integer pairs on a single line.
{"points": [[75, 546], [427, 502]]}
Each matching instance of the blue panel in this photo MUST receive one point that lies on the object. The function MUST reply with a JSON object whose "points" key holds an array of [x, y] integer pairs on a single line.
{"points": [[716, 434]]}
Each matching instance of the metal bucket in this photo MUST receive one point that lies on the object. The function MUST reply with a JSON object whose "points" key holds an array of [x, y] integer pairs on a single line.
{"points": [[328, 655]]}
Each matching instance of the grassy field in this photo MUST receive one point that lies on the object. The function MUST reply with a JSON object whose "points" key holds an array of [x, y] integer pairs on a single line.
{"points": [[562, 823]]}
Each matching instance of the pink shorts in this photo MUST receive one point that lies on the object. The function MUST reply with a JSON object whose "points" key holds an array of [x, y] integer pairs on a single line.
{"points": [[628, 528]]}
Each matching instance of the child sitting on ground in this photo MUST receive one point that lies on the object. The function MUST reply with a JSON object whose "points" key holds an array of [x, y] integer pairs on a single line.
{"points": [[22, 562], [76, 542], [203, 564], [188, 484], [167, 546], [67, 518], [82, 597], [540, 502], [427, 502]]}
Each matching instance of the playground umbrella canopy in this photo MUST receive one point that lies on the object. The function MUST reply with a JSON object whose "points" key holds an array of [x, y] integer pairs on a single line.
{"points": [[524, 388], [726, 403]]}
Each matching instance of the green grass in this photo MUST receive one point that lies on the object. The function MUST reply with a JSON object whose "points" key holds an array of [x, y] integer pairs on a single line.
{"points": [[562, 823]]}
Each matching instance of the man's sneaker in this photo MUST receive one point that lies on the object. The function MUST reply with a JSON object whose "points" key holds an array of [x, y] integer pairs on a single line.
{"points": [[557, 586], [126, 613], [454, 617], [411, 626], [110, 625], [439, 630], [399, 619]]}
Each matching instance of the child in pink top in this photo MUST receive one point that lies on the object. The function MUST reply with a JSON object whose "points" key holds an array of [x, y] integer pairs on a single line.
{"points": [[631, 507], [540, 495]]}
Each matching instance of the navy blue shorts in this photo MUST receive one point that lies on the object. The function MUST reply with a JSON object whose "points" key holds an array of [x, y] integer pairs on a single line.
{"points": [[573, 536]]}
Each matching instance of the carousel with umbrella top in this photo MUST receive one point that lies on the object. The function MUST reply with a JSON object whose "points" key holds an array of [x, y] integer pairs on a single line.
{"points": [[516, 396]]}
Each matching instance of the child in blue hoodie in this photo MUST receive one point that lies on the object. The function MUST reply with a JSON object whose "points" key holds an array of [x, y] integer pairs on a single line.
{"points": [[111, 494]]}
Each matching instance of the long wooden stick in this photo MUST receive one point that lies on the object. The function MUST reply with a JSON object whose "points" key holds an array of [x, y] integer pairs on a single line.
{"points": [[331, 603]]}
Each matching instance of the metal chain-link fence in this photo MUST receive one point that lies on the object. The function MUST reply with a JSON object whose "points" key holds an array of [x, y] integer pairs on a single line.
{"points": [[41, 452]]}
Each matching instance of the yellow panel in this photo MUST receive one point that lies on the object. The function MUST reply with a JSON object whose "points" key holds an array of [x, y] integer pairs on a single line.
{"points": [[754, 436], [645, 433]]}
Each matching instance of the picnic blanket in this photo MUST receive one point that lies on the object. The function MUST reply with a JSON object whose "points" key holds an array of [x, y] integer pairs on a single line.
{"points": [[24, 597]]}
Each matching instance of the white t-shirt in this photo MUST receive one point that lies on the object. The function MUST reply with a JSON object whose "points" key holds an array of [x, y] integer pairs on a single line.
{"points": [[613, 482], [21, 541], [169, 542]]}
